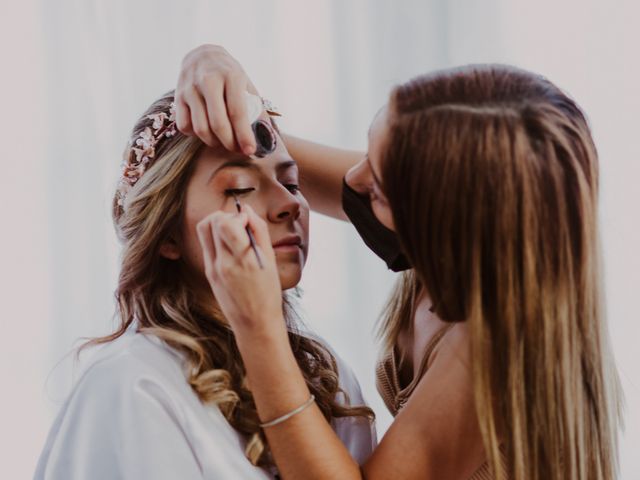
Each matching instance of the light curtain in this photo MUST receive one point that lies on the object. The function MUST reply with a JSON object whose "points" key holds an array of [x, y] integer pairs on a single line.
{"points": [[76, 74]]}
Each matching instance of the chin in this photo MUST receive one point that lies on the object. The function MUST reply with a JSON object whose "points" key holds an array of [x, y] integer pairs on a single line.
{"points": [[290, 274]]}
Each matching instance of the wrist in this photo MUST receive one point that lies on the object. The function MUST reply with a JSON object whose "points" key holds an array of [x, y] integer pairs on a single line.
{"points": [[273, 374], [264, 332]]}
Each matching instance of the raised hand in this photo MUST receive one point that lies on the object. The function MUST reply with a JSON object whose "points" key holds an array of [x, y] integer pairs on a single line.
{"points": [[210, 99], [249, 296]]}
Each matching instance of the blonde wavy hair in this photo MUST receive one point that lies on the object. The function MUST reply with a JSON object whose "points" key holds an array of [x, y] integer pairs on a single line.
{"points": [[155, 292], [492, 176]]}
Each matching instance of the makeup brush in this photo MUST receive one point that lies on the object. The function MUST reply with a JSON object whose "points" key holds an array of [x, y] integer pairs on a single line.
{"points": [[252, 240]]}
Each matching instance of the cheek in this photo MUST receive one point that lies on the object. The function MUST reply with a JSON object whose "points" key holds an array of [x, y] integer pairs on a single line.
{"points": [[304, 213], [382, 212], [199, 203], [190, 243], [303, 222], [358, 177]]}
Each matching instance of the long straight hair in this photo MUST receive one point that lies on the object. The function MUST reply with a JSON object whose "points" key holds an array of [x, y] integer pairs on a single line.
{"points": [[492, 177]]}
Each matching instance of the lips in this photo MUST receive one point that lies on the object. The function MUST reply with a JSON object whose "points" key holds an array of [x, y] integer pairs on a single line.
{"points": [[289, 241]]}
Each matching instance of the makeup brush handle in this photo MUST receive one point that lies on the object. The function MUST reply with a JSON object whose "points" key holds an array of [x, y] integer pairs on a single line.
{"points": [[252, 241]]}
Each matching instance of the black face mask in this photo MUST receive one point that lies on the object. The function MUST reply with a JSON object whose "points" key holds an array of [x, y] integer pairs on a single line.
{"points": [[382, 241]]}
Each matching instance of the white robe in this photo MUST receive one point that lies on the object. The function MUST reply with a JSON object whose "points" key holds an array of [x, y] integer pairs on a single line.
{"points": [[132, 415]]}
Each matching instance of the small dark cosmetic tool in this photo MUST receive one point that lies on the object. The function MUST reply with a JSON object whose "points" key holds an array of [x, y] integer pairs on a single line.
{"points": [[266, 138], [252, 240]]}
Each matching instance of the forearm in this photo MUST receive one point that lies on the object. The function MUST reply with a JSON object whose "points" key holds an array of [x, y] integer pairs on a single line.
{"points": [[322, 169], [304, 446]]}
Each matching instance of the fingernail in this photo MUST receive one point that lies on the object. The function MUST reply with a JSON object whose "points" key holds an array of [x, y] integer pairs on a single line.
{"points": [[248, 149]]}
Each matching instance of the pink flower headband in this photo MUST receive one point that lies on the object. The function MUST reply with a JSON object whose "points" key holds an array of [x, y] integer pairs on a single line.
{"points": [[164, 126], [145, 150]]}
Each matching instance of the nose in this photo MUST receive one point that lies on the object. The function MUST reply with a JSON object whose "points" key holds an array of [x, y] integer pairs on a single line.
{"points": [[359, 177], [284, 205]]}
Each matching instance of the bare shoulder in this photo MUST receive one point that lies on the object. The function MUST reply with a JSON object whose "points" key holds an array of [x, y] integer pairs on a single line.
{"points": [[436, 434], [454, 346]]}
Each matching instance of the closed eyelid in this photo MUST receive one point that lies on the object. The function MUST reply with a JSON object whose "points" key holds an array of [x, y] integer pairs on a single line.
{"points": [[289, 177], [244, 164], [238, 192], [233, 165], [287, 165]]}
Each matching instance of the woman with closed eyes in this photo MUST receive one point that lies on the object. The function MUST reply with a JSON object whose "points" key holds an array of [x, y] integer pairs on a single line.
{"points": [[166, 395]]}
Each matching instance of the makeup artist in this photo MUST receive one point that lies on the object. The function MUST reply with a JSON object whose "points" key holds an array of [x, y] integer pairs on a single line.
{"points": [[481, 184]]}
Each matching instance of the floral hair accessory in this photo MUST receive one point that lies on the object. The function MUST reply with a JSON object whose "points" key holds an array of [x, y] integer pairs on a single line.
{"points": [[164, 126], [144, 148]]}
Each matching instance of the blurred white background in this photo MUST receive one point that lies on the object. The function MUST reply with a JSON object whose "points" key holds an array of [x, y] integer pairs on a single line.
{"points": [[76, 74]]}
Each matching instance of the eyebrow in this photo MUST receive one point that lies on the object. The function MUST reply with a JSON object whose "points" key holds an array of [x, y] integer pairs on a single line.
{"points": [[249, 165]]}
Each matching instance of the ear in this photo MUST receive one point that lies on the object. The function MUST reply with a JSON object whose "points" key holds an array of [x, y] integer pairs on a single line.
{"points": [[170, 250]]}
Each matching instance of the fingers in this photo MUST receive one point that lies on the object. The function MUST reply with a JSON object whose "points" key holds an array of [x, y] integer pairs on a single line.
{"points": [[235, 97], [210, 99], [224, 234], [232, 233], [183, 116], [205, 235], [212, 90], [199, 117]]}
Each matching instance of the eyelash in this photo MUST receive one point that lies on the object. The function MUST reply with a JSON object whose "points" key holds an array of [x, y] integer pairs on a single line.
{"points": [[230, 192]]}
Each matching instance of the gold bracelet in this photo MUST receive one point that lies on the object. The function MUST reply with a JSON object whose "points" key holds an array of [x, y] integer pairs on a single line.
{"points": [[287, 416]]}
